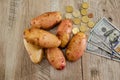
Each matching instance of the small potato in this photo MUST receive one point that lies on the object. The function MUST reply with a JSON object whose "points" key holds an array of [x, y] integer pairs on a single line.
{"points": [[47, 20], [35, 52], [41, 38], [56, 58], [76, 47], [64, 31]]}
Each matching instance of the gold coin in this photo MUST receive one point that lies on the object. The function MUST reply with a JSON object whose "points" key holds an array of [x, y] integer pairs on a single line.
{"points": [[91, 24], [76, 13], [69, 9], [85, 5], [68, 15], [85, 19], [75, 30], [76, 21], [83, 28], [83, 12]]}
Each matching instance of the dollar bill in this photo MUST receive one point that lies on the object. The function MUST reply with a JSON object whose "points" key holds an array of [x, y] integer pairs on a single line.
{"points": [[98, 51], [96, 41], [109, 34]]}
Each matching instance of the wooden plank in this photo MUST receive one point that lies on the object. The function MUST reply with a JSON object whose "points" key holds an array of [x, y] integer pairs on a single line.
{"points": [[96, 67], [99, 68], [72, 71], [3, 28], [25, 69]]}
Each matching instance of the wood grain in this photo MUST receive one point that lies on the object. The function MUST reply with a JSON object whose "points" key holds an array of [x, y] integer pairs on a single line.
{"points": [[14, 61], [3, 28], [96, 67]]}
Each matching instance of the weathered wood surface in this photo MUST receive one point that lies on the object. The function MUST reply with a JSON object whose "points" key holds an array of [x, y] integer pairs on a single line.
{"points": [[15, 64]]}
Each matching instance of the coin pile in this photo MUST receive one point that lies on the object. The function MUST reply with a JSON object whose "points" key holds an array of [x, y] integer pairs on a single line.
{"points": [[80, 17]]}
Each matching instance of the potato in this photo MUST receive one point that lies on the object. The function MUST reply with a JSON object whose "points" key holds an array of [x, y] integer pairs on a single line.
{"points": [[64, 31], [76, 47], [47, 20], [35, 53], [56, 58], [41, 38]]}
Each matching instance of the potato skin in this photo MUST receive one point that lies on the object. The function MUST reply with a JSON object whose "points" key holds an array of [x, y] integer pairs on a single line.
{"points": [[47, 20], [64, 31], [76, 47], [41, 38], [56, 58]]}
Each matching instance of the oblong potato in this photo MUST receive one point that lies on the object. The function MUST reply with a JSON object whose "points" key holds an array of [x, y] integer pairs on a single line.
{"points": [[46, 20], [64, 31], [41, 38], [56, 58], [76, 47], [35, 52]]}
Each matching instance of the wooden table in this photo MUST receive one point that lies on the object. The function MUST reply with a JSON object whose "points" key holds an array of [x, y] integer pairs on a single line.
{"points": [[15, 64]]}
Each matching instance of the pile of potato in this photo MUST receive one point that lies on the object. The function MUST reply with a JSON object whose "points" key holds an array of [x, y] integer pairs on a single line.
{"points": [[39, 41]]}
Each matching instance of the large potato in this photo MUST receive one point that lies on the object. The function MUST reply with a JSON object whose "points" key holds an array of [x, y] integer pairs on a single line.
{"points": [[76, 47], [64, 31], [41, 38], [35, 53], [56, 58], [46, 20]]}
